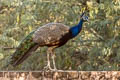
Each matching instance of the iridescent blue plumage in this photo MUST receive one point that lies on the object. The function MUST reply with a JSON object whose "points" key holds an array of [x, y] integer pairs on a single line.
{"points": [[76, 29]]}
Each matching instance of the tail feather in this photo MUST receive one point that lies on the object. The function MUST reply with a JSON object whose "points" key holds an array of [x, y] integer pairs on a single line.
{"points": [[25, 56], [26, 47]]}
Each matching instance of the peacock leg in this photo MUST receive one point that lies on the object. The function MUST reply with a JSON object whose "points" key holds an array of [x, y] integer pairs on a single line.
{"points": [[51, 51], [48, 60], [53, 59]]}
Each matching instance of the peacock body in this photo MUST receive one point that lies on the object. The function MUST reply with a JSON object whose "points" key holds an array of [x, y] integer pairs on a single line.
{"points": [[52, 35]]}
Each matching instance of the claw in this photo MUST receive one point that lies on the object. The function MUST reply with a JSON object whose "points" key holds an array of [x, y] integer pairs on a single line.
{"points": [[49, 68]]}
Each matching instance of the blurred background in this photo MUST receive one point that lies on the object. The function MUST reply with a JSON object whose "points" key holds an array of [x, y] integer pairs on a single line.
{"points": [[97, 47]]}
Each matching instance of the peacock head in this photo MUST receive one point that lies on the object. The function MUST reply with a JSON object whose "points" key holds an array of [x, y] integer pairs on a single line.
{"points": [[84, 17]]}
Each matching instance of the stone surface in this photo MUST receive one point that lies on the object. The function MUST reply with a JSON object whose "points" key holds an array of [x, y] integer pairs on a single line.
{"points": [[61, 75]]}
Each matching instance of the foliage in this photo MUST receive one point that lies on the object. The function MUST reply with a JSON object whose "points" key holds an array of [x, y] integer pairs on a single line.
{"points": [[96, 48]]}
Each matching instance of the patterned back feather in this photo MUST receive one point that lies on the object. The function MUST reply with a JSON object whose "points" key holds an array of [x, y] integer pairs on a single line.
{"points": [[51, 34]]}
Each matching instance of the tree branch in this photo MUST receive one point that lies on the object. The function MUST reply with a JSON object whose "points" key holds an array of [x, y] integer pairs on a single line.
{"points": [[7, 48]]}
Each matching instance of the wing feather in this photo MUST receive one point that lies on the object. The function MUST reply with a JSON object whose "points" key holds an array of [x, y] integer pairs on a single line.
{"points": [[50, 33]]}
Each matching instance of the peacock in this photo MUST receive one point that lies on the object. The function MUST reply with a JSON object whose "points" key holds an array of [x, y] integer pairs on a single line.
{"points": [[52, 35]]}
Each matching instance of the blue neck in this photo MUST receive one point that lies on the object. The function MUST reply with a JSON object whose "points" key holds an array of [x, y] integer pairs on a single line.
{"points": [[76, 29]]}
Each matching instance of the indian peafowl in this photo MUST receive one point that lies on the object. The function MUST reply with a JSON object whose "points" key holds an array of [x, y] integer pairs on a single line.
{"points": [[52, 35]]}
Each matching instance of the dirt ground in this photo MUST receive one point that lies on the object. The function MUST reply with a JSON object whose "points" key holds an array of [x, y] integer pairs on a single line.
{"points": [[60, 75]]}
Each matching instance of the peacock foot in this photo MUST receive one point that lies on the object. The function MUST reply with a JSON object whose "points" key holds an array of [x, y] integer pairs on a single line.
{"points": [[49, 68]]}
